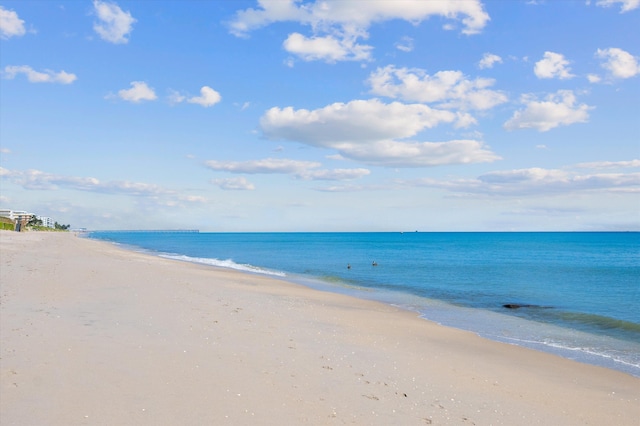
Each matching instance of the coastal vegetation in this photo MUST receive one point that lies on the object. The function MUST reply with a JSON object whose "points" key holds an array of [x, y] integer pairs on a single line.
{"points": [[34, 224], [57, 228], [7, 224]]}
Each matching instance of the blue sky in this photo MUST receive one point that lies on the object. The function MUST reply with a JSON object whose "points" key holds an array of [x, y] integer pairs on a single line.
{"points": [[345, 115]]}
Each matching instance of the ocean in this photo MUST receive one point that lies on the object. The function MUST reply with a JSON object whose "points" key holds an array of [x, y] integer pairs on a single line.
{"points": [[574, 294]]}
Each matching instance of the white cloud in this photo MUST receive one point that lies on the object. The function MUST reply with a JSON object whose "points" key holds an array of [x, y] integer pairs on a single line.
{"points": [[344, 188], [559, 109], [114, 24], [335, 174], [10, 24], [338, 24], [610, 164], [357, 13], [305, 170], [626, 5], [139, 92], [358, 121], [234, 184], [390, 153], [267, 165], [33, 76], [328, 48], [536, 181], [208, 97], [553, 65], [451, 89], [39, 180], [176, 97], [489, 60], [405, 45], [464, 120], [369, 131], [594, 78], [619, 63]]}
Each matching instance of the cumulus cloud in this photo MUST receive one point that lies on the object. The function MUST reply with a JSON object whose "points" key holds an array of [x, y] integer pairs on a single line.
{"points": [[449, 89], [553, 65], [208, 97], [357, 121], [234, 184], [559, 109], [114, 25], [536, 181], [337, 25], [327, 48], [619, 63], [305, 170], [46, 76], [139, 92], [39, 180], [489, 60], [594, 78], [10, 24], [626, 5], [371, 132]]}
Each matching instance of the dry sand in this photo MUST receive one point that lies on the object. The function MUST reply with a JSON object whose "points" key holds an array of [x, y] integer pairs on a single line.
{"points": [[92, 334]]}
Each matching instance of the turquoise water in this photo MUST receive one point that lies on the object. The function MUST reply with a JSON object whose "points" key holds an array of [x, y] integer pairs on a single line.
{"points": [[577, 294]]}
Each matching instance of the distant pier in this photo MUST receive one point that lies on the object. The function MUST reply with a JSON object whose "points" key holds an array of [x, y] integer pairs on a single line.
{"points": [[152, 231]]}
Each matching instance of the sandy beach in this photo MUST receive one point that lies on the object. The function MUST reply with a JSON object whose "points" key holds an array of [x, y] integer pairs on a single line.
{"points": [[91, 334]]}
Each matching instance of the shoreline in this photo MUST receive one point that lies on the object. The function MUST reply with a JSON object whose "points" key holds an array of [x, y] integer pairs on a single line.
{"points": [[600, 349], [95, 334]]}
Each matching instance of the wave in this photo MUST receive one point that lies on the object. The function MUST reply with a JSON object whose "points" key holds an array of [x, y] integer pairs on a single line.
{"points": [[629, 359], [600, 321], [229, 264]]}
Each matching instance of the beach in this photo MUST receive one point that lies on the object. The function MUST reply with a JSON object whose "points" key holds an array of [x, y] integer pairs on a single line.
{"points": [[94, 334]]}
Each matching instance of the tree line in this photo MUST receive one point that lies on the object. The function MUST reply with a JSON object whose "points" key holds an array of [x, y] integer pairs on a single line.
{"points": [[34, 221]]}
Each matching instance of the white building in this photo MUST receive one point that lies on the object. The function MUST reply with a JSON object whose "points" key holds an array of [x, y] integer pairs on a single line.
{"points": [[46, 221], [17, 215]]}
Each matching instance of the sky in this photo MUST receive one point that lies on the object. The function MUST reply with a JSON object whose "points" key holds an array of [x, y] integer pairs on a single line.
{"points": [[311, 116]]}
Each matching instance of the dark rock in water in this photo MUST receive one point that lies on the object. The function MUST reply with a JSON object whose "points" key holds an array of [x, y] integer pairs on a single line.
{"points": [[515, 306], [522, 305]]}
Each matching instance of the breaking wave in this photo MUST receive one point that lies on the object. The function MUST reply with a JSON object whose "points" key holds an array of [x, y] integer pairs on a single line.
{"points": [[229, 264]]}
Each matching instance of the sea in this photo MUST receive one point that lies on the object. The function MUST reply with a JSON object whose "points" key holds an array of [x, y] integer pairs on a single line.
{"points": [[574, 294]]}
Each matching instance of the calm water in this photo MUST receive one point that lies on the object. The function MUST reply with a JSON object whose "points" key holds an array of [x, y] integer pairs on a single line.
{"points": [[579, 292]]}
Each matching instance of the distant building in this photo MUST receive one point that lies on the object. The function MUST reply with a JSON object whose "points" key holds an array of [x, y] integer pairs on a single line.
{"points": [[46, 221], [16, 215], [19, 217]]}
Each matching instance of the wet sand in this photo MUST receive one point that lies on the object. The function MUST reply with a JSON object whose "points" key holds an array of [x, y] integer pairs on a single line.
{"points": [[93, 334]]}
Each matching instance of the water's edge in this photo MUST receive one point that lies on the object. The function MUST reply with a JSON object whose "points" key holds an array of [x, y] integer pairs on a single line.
{"points": [[512, 330]]}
